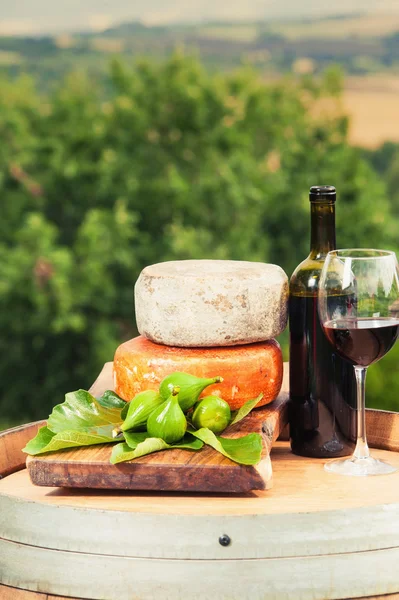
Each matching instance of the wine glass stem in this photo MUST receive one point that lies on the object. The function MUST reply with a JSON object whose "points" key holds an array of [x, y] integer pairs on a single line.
{"points": [[362, 449]]}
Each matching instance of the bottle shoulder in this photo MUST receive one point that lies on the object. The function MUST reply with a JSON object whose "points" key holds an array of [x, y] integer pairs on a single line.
{"points": [[305, 278]]}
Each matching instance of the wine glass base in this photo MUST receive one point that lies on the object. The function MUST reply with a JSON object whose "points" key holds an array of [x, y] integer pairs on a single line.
{"points": [[359, 467]]}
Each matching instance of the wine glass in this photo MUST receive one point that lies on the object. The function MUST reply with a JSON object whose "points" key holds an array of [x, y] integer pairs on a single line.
{"points": [[359, 313]]}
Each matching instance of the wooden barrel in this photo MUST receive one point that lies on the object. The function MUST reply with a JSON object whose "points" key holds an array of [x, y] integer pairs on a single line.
{"points": [[314, 536]]}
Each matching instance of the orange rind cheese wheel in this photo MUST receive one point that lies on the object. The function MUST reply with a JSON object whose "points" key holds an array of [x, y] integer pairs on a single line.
{"points": [[247, 370]]}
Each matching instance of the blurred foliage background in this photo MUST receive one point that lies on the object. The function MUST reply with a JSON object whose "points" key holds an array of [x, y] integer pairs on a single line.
{"points": [[162, 160]]}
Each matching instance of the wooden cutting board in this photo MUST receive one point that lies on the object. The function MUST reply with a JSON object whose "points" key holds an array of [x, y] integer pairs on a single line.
{"points": [[170, 470]]}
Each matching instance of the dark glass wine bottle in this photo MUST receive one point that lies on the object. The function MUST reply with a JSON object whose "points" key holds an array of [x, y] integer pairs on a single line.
{"points": [[322, 384]]}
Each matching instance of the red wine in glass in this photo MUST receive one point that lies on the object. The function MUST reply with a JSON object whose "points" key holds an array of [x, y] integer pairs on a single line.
{"points": [[362, 341]]}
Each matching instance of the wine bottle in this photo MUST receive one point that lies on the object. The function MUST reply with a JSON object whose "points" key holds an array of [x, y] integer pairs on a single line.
{"points": [[322, 384]]}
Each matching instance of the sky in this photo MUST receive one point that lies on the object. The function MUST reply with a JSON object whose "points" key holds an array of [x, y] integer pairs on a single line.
{"points": [[53, 16]]}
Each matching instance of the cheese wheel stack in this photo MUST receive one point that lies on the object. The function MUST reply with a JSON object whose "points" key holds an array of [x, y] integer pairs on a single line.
{"points": [[207, 318]]}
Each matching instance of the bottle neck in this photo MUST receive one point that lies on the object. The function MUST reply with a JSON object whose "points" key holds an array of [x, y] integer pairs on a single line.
{"points": [[322, 224]]}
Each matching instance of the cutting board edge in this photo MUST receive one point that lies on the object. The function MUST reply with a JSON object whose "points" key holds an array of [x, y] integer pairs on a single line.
{"points": [[237, 478]]}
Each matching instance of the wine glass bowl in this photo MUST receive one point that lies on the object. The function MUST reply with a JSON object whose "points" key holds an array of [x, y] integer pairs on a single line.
{"points": [[358, 300]]}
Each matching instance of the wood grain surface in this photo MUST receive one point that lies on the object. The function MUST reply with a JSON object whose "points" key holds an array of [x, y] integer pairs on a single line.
{"points": [[301, 485], [383, 429], [107, 577], [11, 443], [309, 512], [10, 593]]}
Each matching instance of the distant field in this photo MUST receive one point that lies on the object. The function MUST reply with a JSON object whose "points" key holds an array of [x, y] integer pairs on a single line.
{"points": [[238, 33], [361, 45], [9, 58], [360, 26], [373, 104]]}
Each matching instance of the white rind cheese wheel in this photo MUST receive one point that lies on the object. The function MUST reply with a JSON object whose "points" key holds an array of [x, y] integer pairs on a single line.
{"points": [[199, 303]]}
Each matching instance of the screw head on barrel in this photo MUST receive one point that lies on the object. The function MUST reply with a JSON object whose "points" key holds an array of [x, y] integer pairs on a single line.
{"points": [[225, 540]]}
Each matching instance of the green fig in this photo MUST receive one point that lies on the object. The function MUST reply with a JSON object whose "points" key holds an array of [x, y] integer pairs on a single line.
{"points": [[140, 409], [190, 387], [168, 421], [212, 412]]}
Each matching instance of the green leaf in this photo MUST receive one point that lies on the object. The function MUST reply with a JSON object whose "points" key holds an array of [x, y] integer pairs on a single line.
{"points": [[81, 411], [40, 441], [123, 452], [110, 399], [48, 441], [246, 450], [245, 409], [125, 410], [133, 439]]}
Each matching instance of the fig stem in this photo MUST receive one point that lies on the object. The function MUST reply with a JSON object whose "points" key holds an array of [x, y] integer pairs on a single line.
{"points": [[116, 431]]}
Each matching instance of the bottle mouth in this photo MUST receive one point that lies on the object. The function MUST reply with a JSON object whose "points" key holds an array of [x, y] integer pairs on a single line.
{"points": [[360, 253], [322, 193]]}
